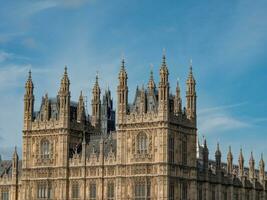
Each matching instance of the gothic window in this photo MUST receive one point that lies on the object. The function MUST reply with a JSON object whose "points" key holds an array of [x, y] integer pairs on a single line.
{"points": [[236, 196], [43, 191], [92, 191], [110, 191], [225, 193], [184, 191], [171, 191], [142, 143], [213, 193], [247, 195], [45, 151], [5, 195], [75, 191], [171, 150], [184, 151], [142, 190], [200, 188]]}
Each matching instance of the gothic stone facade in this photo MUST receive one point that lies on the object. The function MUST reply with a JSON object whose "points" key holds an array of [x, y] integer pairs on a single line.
{"points": [[152, 154]]}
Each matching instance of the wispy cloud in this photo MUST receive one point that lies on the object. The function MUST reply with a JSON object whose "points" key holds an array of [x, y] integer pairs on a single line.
{"points": [[218, 108], [5, 56]]}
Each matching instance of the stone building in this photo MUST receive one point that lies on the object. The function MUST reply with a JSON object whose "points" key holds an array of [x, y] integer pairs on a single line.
{"points": [[152, 154]]}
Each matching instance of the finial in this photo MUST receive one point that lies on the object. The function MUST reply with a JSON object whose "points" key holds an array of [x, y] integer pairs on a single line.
{"points": [[191, 66], [230, 149], [164, 57], [151, 71], [96, 78], [218, 146], [123, 64], [65, 70], [30, 75]]}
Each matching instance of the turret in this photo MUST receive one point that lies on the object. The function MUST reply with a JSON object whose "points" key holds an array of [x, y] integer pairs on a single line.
{"points": [[164, 87], [229, 161], [251, 167], [177, 101], [81, 109], [191, 95], [241, 164], [143, 100], [205, 156], [15, 173], [262, 170], [46, 107], [15, 161], [122, 92], [28, 102], [96, 104], [218, 157], [64, 99]]}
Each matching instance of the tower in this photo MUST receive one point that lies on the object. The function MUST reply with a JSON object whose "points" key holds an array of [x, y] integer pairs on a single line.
{"points": [[64, 99], [241, 164], [96, 104], [229, 161], [164, 88], [251, 167], [28, 103], [191, 95], [122, 92], [177, 100]]}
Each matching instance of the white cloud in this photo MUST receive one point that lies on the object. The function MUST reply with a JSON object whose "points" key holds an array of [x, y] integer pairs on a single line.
{"points": [[5, 56]]}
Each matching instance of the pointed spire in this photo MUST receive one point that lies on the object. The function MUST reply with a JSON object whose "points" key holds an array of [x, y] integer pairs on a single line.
{"points": [[218, 156], [262, 169], [151, 83], [65, 82], [229, 161], [241, 163], [29, 83], [251, 166]]}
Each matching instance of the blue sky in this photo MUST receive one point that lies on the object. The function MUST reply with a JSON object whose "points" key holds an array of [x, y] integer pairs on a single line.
{"points": [[226, 40]]}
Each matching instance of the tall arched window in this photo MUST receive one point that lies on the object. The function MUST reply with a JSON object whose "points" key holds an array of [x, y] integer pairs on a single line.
{"points": [[75, 191], [142, 143], [45, 149]]}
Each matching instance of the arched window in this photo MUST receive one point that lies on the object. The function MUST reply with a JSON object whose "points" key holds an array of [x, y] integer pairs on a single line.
{"points": [[111, 191], [5, 194], [45, 149], [75, 191], [142, 143], [92, 191]]}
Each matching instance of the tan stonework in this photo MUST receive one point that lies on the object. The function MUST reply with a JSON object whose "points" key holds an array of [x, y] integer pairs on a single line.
{"points": [[153, 154]]}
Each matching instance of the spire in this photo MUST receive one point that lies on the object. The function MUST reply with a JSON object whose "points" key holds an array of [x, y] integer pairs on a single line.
{"points": [[81, 109], [15, 161], [177, 100], [96, 104], [229, 161], [65, 82], [241, 163], [28, 102], [191, 94], [29, 84], [205, 156], [151, 83], [251, 166], [164, 88], [218, 157], [262, 169], [122, 94]]}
